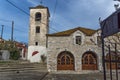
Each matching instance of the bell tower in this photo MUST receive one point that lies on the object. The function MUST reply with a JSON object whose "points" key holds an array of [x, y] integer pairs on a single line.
{"points": [[39, 26]]}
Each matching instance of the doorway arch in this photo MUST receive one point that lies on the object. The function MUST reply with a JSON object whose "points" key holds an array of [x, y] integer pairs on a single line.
{"points": [[89, 61], [65, 61]]}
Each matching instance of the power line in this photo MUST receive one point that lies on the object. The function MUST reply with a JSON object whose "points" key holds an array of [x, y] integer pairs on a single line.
{"points": [[54, 11], [61, 24], [52, 19], [24, 11], [17, 7], [16, 29], [32, 17], [53, 29]]}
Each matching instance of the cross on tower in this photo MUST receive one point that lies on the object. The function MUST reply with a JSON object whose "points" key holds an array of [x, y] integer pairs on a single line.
{"points": [[41, 2]]}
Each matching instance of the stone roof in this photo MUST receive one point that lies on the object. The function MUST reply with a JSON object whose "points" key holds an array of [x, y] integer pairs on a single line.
{"points": [[86, 31]]}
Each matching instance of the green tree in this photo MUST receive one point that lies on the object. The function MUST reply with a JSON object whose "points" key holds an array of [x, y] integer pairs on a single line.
{"points": [[12, 48]]}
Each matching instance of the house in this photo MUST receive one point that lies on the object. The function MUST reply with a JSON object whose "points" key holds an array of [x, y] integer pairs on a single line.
{"points": [[22, 48], [5, 45]]}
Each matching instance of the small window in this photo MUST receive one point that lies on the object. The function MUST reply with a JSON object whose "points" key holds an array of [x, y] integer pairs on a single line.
{"points": [[36, 43], [37, 29], [78, 40], [38, 16], [98, 40]]}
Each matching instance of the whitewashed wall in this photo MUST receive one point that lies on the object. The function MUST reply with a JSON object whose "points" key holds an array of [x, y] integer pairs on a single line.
{"points": [[37, 57]]}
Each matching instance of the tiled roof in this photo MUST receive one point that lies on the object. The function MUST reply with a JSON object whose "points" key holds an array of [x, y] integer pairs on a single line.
{"points": [[86, 31]]}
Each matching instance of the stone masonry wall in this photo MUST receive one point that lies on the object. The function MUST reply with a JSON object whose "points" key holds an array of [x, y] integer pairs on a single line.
{"points": [[67, 43], [38, 37]]}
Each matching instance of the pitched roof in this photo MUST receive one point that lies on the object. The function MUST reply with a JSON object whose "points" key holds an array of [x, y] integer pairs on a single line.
{"points": [[86, 31], [39, 6]]}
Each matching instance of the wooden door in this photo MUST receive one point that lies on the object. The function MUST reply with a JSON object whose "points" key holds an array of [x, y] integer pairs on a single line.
{"points": [[89, 61], [113, 64], [65, 61]]}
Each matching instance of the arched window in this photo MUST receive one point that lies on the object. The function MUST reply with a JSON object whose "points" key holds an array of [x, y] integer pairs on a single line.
{"points": [[38, 29], [38, 16]]}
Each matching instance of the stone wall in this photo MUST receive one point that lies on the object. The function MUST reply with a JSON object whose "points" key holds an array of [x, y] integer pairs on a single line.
{"points": [[67, 43]]}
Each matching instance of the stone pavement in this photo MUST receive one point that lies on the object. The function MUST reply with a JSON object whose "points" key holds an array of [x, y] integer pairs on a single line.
{"points": [[38, 75], [79, 76], [37, 71], [26, 75]]}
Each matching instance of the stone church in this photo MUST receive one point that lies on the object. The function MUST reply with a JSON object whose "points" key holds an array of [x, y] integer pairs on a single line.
{"points": [[77, 49]]}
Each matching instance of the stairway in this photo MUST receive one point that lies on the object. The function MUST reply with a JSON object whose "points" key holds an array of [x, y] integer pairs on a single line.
{"points": [[21, 65]]}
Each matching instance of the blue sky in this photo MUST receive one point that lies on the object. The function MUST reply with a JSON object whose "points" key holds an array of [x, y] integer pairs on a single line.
{"points": [[68, 14]]}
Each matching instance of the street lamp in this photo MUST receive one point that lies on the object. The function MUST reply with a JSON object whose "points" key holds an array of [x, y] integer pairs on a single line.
{"points": [[116, 5]]}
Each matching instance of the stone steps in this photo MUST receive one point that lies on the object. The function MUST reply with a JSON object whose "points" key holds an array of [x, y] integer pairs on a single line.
{"points": [[25, 69], [22, 66], [4, 69]]}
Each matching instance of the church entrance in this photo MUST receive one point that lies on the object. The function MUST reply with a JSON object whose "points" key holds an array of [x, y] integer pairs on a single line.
{"points": [[89, 61], [65, 61]]}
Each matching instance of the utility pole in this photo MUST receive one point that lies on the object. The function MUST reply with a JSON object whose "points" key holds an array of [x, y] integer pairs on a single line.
{"points": [[103, 50], [2, 31], [12, 30]]}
